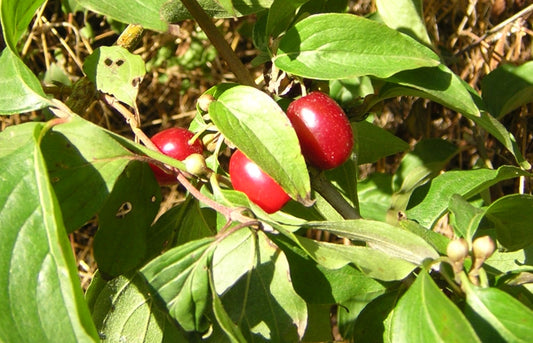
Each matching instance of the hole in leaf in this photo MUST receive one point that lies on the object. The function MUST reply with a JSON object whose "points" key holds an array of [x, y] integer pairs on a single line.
{"points": [[108, 62], [124, 209], [120, 62], [135, 82]]}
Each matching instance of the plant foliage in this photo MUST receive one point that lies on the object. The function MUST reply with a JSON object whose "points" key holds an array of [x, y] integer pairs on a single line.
{"points": [[215, 267]]}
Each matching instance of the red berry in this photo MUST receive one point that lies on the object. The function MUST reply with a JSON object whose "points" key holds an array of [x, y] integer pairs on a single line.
{"points": [[174, 142], [260, 188], [323, 129]]}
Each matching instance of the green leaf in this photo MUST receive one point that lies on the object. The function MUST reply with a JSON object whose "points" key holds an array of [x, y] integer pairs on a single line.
{"points": [[497, 309], [441, 85], [120, 244], [180, 278], [330, 286], [372, 262], [466, 218], [344, 179], [263, 302], [425, 314], [507, 88], [318, 324], [374, 143], [83, 164], [417, 168], [38, 274], [280, 15], [255, 123], [233, 258], [507, 262], [22, 91], [373, 323], [156, 14], [336, 46], [375, 196], [426, 161], [428, 204], [124, 309], [436, 83], [116, 71], [15, 16], [383, 237], [405, 16], [349, 92], [437, 240], [512, 217], [232, 331]]}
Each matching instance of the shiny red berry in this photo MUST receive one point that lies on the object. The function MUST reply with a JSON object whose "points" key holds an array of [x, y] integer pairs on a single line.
{"points": [[260, 188], [174, 142], [323, 129]]}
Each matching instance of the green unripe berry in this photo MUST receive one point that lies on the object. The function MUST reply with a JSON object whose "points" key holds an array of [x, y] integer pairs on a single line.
{"points": [[483, 247], [457, 250], [195, 164]]}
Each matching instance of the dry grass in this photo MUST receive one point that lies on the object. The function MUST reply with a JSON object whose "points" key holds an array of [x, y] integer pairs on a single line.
{"points": [[461, 31]]}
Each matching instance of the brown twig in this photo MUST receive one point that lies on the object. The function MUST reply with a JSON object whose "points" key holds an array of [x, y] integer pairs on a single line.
{"points": [[218, 41]]}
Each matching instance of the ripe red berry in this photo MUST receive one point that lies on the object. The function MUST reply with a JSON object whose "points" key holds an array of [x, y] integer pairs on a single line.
{"points": [[323, 129], [247, 177], [174, 142]]}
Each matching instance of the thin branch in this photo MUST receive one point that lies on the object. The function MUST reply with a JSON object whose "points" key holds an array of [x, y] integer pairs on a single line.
{"points": [[324, 187], [218, 41]]}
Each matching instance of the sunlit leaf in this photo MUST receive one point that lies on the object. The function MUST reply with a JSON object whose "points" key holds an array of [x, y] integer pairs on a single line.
{"points": [[466, 218], [255, 123], [383, 237], [405, 16], [371, 262], [116, 71], [15, 16], [512, 217], [429, 203], [180, 278], [83, 163], [38, 273], [22, 91], [124, 309], [333, 46], [443, 86], [507, 88], [506, 315], [425, 314], [156, 14], [263, 302]]}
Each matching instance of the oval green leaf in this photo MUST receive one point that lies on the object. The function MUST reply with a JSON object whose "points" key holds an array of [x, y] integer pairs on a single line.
{"points": [[257, 126], [428, 204], [83, 164], [116, 71], [506, 315], [383, 237], [120, 244], [507, 88], [425, 314], [180, 277], [157, 14], [42, 299], [512, 217], [125, 310], [21, 90], [405, 16], [337, 46]]}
